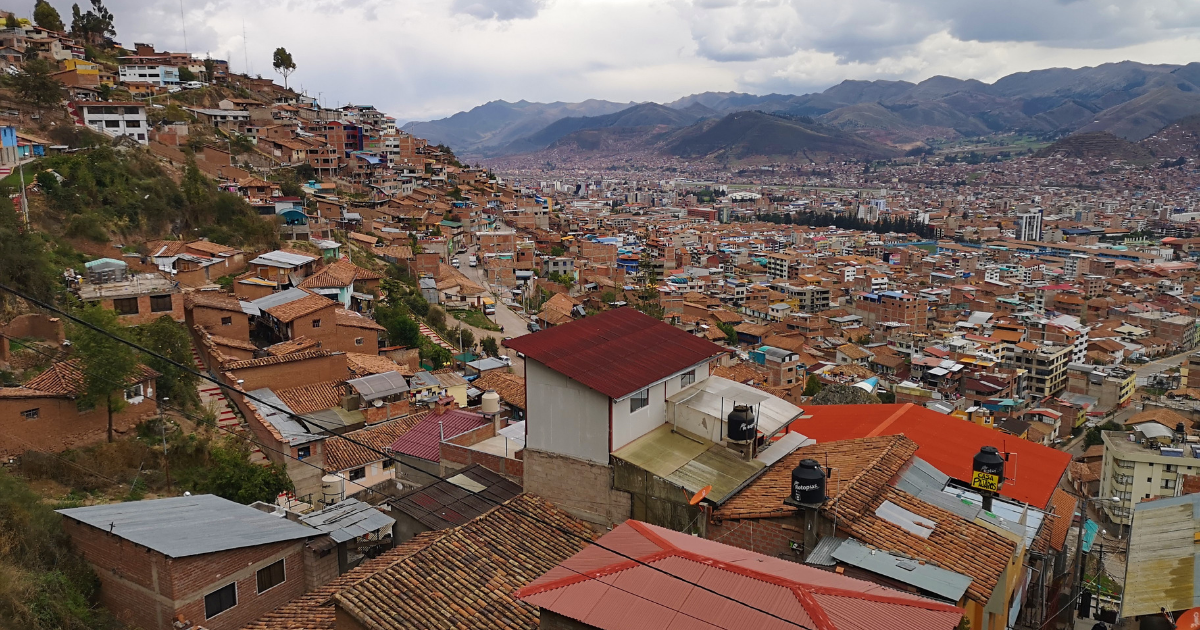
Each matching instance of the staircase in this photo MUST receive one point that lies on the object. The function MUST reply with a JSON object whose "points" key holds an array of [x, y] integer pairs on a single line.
{"points": [[228, 419]]}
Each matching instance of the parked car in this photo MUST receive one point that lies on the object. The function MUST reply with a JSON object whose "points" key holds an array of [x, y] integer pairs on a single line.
{"points": [[454, 263], [533, 327], [192, 85]]}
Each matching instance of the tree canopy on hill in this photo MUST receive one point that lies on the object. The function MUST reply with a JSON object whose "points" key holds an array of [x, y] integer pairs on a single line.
{"points": [[106, 191], [1100, 144]]}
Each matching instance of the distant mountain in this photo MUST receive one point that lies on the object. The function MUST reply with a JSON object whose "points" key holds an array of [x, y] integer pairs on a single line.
{"points": [[748, 135], [498, 123], [644, 116], [1130, 100]]}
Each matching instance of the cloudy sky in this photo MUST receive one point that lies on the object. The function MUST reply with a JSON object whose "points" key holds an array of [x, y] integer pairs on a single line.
{"points": [[420, 59]]}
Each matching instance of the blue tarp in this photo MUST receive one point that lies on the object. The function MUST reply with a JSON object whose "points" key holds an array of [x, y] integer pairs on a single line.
{"points": [[1089, 534]]}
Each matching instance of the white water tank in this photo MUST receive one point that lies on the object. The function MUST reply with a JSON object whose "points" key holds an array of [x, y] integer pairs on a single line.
{"points": [[490, 402], [332, 487]]}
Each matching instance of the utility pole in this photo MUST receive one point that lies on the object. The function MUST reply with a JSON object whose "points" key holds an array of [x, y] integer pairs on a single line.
{"points": [[162, 425], [24, 193]]}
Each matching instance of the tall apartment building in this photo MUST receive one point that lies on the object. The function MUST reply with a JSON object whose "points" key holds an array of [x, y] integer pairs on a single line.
{"points": [[894, 306], [1144, 469], [1112, 387], [1029, 226], [1046, 364], [1177, 330]]}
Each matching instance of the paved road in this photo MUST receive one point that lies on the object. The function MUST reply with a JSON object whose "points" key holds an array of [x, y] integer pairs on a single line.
{"points": [[1162, 364], [514, 325]]}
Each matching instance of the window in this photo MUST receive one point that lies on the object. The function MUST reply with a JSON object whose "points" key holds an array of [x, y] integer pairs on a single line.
{"points": [[112, 123], [358, 341], [126, 306], [131, 111], [270, 576], [389, 464], [220, 600], [303, 451], [316, 323], [688, 378], [133, 392], [31, 414], [358, 473], [160, 303], [226, 321], [133, 124], [1168, 484], [639, 400], [1149, 480]]}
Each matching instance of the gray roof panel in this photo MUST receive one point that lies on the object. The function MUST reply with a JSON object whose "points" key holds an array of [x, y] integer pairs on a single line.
{"points": [[945, 584], [179, 527], [348, 520]]}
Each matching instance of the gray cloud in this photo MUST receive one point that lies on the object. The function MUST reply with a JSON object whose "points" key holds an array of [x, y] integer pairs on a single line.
{"points": [[502, 10]]}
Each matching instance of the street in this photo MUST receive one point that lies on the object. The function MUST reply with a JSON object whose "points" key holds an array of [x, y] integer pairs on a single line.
{"points": [[1159, 365], [514, 325]]}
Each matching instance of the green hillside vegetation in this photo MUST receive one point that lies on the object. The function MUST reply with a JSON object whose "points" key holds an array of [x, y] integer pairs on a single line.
{"points": [[1100, 144], [745, 135]]}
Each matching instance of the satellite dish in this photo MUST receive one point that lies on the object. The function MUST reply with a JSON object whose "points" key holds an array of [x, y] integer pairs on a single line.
{"points": [[377, 403], [699, 496]]}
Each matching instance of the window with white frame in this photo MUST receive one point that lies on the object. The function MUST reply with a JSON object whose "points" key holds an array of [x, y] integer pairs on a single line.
{"points": [[134, 392], [688, 378]]}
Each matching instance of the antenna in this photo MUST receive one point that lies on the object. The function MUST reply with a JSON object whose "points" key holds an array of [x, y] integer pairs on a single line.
{"points": [[245, 49], [183, 26], [699, 496]]}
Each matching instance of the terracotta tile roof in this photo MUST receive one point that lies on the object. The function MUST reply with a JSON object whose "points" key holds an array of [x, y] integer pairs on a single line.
{"points": [[955, 543], [466, 578], [306, 305], [314, 397], [275, 360], [853, 352], [210, 247], [312, 611], [339, 273], [299, 344], [1062, 506], [865, 465], [212, 299], [342, 454], [24, 392], [165, 248], [230, 342], [65, 378], [367, 364], [350, 319], [510, 387], [399, 252], [1166, 417]]}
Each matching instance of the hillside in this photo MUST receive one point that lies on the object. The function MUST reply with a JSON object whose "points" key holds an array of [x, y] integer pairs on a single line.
{"points": [[746, 136], [1129, 99], [645, 116], [1101, 145]]}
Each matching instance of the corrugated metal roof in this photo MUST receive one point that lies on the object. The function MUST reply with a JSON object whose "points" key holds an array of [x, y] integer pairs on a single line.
{"points": [[822, 554], [921, 476], [715, 397], [941, 582], [690, 461], [283, 297], [379, 385], [423, 440], [189, 526], [453, 501], [616, 352], [348, 520], [283, 259], [276, 413], [1162, 566], [603, 590]]}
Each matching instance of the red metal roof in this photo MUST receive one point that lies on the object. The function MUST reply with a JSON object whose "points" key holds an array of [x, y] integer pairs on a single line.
{"points": [[616, 352], [946, 442], [607, 591], [424, 439]]}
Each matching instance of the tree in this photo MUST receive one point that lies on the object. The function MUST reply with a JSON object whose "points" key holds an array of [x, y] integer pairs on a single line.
{"points": [[93, 26], [436, 317], [35, 85], [105, 361], [401, 328], [490, 346], [210, 69], [608, 296], [465, 335], [169, 338], [284, 64], [24, 261], [812, 386], [47, 16], [10, 21], [731, 335], [186, 74], [1093, 436], [231, 475]]}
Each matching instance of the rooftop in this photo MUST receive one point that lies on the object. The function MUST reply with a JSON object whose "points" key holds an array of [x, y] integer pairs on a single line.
{"points": [[179, 527], [616, 352], [456, 500], [141, 284]]}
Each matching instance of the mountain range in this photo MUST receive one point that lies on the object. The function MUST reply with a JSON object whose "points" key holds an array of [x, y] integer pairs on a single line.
{"points": [[881, 118]]}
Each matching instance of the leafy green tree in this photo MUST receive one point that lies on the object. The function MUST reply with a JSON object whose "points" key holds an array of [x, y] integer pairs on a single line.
{"points": [[490, 346], [402, 330], [417, 304], [557, 250], [186, 74], [169, 338], [210, 69], [231, 475], [812, 386], [608, 297], [465, 335], [106, 362], [34, 84], [93, 26], [731, 335], [239, 144], [436, 317], [47, 17], [1093, 435], [284, 64], [436, 356], [24, 261], [10, 21]]}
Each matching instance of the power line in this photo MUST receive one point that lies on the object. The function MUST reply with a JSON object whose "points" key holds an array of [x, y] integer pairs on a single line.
{"points": [[372, 449]]}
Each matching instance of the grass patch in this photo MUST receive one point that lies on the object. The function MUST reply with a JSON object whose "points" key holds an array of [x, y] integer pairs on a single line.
{"points": [[475, 318]]}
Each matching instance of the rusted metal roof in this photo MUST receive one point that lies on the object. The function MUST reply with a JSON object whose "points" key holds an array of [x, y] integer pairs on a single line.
{"points": [[617, 352], [698, 583]]}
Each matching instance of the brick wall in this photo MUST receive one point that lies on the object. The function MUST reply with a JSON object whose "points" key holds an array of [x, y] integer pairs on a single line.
{"points": [[456, 454], [144, 314], [35, 325], [146, 589], [348, 335], [769, 537], [210, 320], [294, 374], [60, 425], [582, 488], [325, 333]]}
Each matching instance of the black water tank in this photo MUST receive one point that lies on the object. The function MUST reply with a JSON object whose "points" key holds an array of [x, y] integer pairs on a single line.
{"points": [[808, 483], [987, 470], [741, 424]]}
